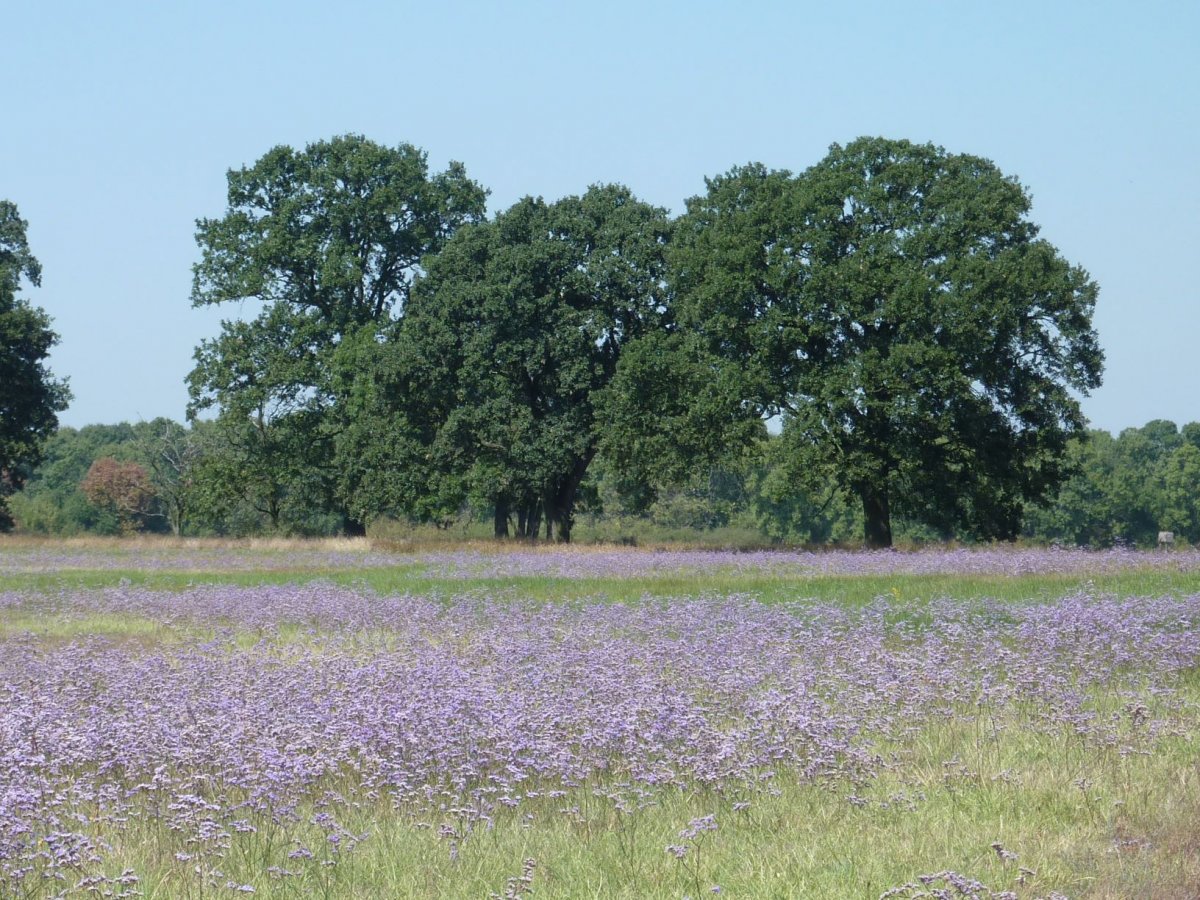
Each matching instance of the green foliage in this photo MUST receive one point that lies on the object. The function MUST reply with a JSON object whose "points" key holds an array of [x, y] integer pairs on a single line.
{"points": [[254, 476], [895, 302], [52, 501], [672, 411], [30, 397], [494, 386], [173, 458], [1081, 514], [328, 239], [1126, 489], [173, 454], [335, 230], [787, 511], [1180, 505]]}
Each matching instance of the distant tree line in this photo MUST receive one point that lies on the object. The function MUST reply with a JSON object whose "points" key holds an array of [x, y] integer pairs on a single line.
{"points": [[151, 477], [163, 477], [408, 357]]}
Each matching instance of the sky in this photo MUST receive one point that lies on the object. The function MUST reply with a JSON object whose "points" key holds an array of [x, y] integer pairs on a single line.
{"points": [[121, 120]]}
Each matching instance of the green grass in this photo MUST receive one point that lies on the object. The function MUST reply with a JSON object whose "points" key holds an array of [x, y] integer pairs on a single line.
{"points": [[148, 632], [840, 589]]}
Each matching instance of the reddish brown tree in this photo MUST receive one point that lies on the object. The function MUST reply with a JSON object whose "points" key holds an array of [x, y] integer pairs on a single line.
{"points": [[122, 488]]}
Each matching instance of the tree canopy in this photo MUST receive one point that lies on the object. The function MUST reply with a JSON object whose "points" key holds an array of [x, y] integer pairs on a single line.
{"points": [[895, 305], [508, 343], [30, 396], [328, 239]]}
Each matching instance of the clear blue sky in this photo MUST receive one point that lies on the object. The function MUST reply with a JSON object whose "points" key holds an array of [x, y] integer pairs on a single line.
{"points": [[121, 119]]}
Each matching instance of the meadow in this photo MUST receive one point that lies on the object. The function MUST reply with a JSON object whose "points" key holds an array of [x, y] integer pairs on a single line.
{"points": [[347, 719]]}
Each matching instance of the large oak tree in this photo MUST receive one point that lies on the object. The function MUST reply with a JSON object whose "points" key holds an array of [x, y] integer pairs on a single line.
{"points": [[897, 307], [494, 387], [328, 240]]}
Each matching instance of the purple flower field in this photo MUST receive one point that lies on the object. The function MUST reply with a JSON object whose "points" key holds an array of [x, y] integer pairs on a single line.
{"points": [[286, 711], [584, 562], [1006, 561]]}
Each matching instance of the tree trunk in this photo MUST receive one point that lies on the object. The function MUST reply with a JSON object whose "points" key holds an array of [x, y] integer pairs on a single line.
{"points": [[877, 516], [564, 498], [565, 505], [500, 518], [550, 511], [529, 521]]}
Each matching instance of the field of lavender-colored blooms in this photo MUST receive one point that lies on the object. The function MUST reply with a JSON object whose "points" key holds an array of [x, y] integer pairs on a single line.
{"points": [[346, 720]]}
